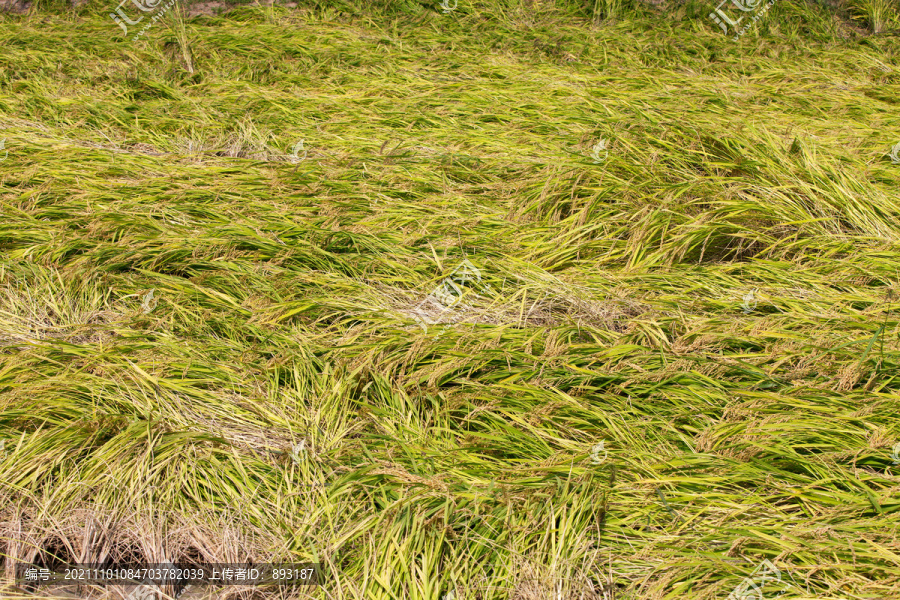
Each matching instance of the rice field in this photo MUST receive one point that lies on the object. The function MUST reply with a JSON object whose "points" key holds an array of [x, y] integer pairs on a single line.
{"points": [[495, 299]]}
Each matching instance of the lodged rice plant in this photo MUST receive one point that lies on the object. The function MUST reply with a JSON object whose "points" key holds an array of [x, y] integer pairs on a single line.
{"points": [[456, 300]]}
